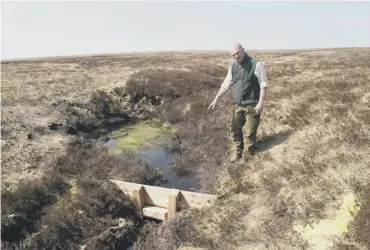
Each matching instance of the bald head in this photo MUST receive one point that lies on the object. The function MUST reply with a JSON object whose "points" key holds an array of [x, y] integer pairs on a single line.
{"points": [[235, 47], [237, 51]]}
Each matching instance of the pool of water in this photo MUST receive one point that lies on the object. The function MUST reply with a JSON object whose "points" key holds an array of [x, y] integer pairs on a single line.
{"points": [[147, 139], [160, 158]]}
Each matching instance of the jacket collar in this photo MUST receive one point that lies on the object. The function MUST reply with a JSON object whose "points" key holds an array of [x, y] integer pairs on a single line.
{"points": [[246, 58]]}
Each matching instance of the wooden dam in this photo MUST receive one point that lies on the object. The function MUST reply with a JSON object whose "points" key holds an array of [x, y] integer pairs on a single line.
{"points": [[162, 203]]}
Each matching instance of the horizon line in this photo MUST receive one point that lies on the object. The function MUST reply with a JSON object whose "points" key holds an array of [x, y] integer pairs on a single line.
{"points": [[171, 52]]}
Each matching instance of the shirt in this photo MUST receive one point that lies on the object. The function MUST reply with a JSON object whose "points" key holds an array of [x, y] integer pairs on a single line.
{"points": [[259, 71]]}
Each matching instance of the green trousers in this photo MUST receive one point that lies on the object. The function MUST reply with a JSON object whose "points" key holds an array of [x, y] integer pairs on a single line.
{"points": [[244, 117]]}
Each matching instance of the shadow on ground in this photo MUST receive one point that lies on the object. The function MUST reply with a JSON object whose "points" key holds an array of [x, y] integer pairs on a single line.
{"points": [[273, 140]]}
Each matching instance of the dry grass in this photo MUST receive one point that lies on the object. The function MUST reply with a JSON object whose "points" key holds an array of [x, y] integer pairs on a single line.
{"points": [[313, 140]]}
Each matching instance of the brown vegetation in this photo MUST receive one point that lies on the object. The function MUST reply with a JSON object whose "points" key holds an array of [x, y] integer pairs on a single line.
{"points": [[313, 146], [21, 209], [74, 204]]}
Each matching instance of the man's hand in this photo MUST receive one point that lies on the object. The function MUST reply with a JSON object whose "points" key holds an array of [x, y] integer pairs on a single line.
{"points": [[259, 107], [213, 104], [261, 102], [220, 93]]}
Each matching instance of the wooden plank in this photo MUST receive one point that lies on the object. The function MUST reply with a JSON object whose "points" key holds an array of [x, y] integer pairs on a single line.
{"points": [[195, 200], [139, 196], [155, 212], [172, 204], [158, 196], [126, 187]]}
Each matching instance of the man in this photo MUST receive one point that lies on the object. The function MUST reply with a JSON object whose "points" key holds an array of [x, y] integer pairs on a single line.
{"points": [[248, 79]]}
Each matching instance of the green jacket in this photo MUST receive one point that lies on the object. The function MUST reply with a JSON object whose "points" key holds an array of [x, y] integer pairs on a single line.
{"points": [[246, 86]]}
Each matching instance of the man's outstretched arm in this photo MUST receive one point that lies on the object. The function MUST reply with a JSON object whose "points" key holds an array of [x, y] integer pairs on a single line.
{"points": [[223, 89]]}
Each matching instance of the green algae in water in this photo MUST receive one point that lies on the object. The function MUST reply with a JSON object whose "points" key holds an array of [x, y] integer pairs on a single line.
{"points": [[148, 140], [148, 133]]}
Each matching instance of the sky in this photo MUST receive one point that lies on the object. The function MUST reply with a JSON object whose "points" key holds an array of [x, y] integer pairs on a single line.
{"points": [[50, 28]]}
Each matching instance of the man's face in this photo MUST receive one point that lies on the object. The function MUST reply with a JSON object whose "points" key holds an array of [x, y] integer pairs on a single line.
{"points": [[238, 54]]}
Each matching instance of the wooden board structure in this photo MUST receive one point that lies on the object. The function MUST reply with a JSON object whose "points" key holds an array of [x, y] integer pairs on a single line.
{"points": [[162, 203]]}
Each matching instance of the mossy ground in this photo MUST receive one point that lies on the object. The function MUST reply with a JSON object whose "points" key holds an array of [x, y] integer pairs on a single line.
{"points": [[318, 234], [147, 133]]}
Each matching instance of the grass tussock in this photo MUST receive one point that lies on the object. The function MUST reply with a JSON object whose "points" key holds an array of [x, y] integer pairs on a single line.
{"points": [[103, 111], [95, 214], [20, 209], [169, 235]]}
